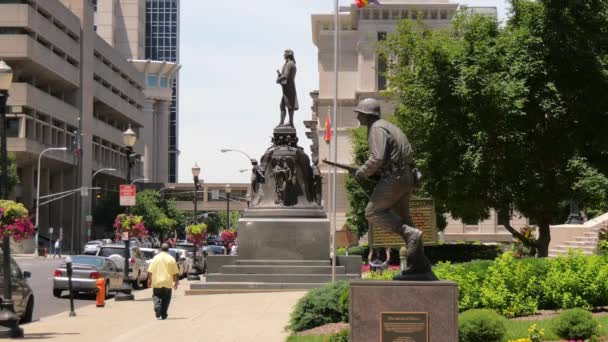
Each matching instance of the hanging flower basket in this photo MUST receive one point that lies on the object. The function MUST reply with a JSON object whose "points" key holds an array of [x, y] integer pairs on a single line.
{"points": [[15, 221], [228, 236], [132, 224], [197, 233]]}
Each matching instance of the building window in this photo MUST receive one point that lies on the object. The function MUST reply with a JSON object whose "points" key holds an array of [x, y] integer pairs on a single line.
{"points": [[381, 68], [164, 83], [503, 217], [152, 80]]}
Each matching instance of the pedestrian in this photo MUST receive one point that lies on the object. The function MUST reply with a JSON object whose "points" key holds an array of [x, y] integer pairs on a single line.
{"points": [[162, 277], [57, 248]]}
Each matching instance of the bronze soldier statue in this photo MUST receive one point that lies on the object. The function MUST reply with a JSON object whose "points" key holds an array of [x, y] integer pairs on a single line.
{"points": [[391, 157], [287, 79]]}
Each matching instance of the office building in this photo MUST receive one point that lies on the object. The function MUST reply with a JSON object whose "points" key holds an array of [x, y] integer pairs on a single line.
{"points": [[162, 44]]}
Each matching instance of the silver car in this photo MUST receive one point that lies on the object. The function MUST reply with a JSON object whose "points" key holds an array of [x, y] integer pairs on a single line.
{"points": [[92, 247], [138, 272], [23, 297], [86, 269]]}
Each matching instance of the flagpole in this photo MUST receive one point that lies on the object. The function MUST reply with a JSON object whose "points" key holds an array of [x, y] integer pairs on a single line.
{"points": [[334, 151]]}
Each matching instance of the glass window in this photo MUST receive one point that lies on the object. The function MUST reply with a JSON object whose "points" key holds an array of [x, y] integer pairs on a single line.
{"points": [[88, 260], [163, 82], [152, 80]]}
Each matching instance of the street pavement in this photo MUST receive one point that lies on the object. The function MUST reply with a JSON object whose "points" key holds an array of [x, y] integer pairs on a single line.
{"points": [[41, 283], [218, 318]]}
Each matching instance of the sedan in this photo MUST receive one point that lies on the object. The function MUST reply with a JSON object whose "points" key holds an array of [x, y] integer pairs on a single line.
{"points": [[23, 297], [86, 269], [92, 247]]}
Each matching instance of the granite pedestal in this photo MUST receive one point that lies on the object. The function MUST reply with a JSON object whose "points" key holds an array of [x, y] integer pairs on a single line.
{"points": [[277, 254], [438, 300]]}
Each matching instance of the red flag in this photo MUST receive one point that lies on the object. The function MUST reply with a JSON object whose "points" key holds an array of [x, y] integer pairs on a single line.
{"points": [[327, 128]]}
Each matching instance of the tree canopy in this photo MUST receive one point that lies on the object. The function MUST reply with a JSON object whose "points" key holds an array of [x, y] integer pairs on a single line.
{"points": [[160, 216], [13, 178], [507, 117]]}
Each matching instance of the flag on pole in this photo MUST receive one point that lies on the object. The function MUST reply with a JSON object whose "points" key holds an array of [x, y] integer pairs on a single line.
{"points": [[327, 128], [363, 3]]}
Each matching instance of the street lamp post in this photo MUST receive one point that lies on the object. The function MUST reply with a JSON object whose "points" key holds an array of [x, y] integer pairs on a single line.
{"points": [[9, 321], [228, 191], [129, 138], [37, 224], [196, 171], [251, 160]]}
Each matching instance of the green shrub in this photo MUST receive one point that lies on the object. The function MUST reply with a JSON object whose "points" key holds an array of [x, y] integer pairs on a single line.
{"points": [[576, 281], [462, 252], [385, 275], [341, 251], [481, 325], [342, 336], [362, 250], [511, 287], [344, 303], [318, 307], [575, 324], [469, 283]]}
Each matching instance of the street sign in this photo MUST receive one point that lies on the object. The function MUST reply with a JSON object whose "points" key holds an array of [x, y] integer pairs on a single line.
{"points": [[51, 230], [84, 192], [215, 194], [89, 219], [125, 236], [127, 195]]}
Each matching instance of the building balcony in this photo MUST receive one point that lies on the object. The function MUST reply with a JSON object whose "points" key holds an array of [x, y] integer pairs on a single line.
{"points": [[118, 104], [26, 95], [22, 15], [38, 59], [27, 152], [118, 82]]}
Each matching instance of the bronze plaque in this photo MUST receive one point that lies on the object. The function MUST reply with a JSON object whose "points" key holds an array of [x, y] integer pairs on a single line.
{"points": [[404, 327], [423, 215]]}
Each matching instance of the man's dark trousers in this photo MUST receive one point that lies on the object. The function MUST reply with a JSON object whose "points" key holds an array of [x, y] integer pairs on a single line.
{"points": [[161, 297]]}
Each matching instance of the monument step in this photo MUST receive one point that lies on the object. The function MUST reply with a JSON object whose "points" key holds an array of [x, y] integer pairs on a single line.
{"points": [[279, 269], [276, 278], [284, 262], [204, 288]]}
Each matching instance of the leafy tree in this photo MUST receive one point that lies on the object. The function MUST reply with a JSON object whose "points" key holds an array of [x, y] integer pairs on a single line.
{"points": [[149, 206], [13, 178], [497, 115]]}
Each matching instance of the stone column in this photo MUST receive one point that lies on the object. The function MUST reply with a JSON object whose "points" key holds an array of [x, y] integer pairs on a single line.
{"points": [[162, 139], [148, 134]]}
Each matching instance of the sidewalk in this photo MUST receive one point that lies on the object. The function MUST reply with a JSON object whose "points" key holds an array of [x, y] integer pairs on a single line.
{"points": [[225, 317]]}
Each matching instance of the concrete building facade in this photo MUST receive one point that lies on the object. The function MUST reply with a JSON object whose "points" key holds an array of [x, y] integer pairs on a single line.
{"points": [[71, 89], [162, 44], [361, 75]]}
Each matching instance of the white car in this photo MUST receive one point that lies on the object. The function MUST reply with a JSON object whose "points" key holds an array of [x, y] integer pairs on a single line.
{"points": [[138, 271], [92, 247]]}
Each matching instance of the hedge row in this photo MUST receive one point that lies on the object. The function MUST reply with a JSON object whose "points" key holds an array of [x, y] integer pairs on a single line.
{"points": [[456, 253]]}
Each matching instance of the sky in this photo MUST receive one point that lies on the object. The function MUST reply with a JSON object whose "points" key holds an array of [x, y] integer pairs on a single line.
{"points": [[229, 52]]}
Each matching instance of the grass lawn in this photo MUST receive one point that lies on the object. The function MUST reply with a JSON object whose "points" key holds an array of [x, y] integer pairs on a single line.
{"points": [[515, 330]]}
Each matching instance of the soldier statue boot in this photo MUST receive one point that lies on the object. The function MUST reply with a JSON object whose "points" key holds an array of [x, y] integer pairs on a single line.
{"points": [[418, 266]]}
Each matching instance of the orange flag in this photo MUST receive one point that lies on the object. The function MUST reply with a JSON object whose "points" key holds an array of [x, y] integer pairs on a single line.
{"points": [[327, 128]]}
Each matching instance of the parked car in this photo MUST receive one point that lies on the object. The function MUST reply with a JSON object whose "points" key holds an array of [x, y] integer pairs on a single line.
{"points": [[182, 262], [198, 260], [92, 247], [23, 297], [138, 272], [148, 254], [86, 269]]}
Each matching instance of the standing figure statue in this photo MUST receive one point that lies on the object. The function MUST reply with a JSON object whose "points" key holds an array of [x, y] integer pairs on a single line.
{"points": [[391, 157], [287, 79]]}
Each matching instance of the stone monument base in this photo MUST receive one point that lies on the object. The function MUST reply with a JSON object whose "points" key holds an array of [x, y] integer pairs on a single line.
{"points": [[417, 311], [277, 254]]}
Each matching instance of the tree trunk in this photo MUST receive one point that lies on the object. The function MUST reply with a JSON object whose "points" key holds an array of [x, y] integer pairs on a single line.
{"points": [[544, 238]]}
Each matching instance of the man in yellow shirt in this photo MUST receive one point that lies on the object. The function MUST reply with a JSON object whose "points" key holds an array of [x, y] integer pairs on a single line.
{"points": [[162, 276]]}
